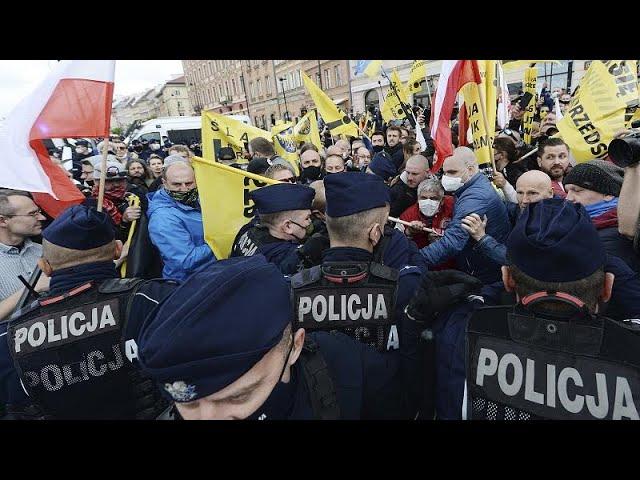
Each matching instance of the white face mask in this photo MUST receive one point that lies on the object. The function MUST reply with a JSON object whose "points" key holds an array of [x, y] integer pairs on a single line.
{"points": [[428, 207], [155, 146], [451, 184]]}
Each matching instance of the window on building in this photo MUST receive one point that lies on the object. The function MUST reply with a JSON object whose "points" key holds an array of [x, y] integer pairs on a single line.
{"points": [[338, 76], [290, 81], [226, 89], [259, 87], [267, 85], [327, 83], [176, 93], [556, 75], [298, 78], [233, 86], [179, 105]]}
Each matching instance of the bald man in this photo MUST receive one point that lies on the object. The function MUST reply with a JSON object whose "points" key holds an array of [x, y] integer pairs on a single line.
{"points": [[532, 187], [311, 164], [404, 193], [175, 223]]}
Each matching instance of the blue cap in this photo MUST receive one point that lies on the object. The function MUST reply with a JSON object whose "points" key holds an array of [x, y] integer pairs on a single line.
{"points": [[206, 335], [282, 197], [352, 192], [382, 166], [80, 228], [555, 241]]}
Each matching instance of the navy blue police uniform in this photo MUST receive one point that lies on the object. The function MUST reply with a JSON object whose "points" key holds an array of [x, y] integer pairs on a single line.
{"points": [[327, 297], [70, 353], [553, 241], [288, 256], [224, 336]]}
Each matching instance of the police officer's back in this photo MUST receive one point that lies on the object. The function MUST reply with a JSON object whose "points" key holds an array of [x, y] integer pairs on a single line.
{"points": [[241, 359], [352, 290], [64, 350], [553, 355]]}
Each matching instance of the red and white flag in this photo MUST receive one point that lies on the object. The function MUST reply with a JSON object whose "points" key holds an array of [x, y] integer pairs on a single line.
{"points": [[453, 76], [73, 101]]}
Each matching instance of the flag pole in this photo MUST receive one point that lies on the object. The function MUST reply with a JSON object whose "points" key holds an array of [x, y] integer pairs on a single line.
{"points": [[486, 126], [412, 118], [103, 173]]}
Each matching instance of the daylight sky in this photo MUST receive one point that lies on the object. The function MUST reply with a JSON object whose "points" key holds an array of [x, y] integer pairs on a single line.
{"points": [[19, 77]]}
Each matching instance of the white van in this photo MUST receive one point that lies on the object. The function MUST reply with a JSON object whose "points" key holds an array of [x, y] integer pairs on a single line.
{"points": [[181, 130]]}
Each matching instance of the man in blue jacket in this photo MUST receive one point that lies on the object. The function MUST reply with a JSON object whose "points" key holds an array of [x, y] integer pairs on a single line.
{"points": [[175, 223], [474, 194]]}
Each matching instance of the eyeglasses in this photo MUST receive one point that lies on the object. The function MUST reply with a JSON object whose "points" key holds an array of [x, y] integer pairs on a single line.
{"points": [[33, 214]]}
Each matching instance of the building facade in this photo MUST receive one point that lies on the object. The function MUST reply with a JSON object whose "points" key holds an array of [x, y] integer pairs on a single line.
{"points": [[215, 85], [174, 99], [265, 90]]}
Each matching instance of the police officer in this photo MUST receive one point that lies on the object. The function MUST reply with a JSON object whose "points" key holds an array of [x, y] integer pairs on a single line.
{"points": [[283, 234], [245, 360], [62, 356], [554, 355]]}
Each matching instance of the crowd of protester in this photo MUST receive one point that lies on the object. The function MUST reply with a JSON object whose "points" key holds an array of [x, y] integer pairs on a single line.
{"points": [[459, 218]]}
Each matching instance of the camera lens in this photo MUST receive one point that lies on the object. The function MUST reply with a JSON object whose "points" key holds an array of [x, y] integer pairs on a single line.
{"points": [[625, 151]]}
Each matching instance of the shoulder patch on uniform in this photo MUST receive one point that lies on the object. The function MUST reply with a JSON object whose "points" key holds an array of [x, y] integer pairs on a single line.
{"points": [[409, 269], [119, 285], [306, 277]]}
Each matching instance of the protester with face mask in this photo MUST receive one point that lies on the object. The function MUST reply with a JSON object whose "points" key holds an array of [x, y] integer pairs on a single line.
{"points": [[115, 202], [433, 210], [474, 193], [311, 164], [175, 223], [284, 233], [154, 147], [377, 141]]}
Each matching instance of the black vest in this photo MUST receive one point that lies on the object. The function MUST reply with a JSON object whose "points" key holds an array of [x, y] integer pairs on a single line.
{"points": [[249, 242], [357, 299], [521, 367], [67, 351]]}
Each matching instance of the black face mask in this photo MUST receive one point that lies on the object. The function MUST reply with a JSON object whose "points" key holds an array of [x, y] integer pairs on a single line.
{"points": [[189, 198], [278, 404], [312, 173], [378, 148]]}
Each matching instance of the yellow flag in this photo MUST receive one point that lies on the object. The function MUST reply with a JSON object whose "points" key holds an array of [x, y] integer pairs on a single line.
{"points": [[222, 131], [306, 130], [337, 121], [417, 74], [224, 199], [285, 145], [373, 69], [605, 103], [530, 77], [392, 107], [281, 127]]}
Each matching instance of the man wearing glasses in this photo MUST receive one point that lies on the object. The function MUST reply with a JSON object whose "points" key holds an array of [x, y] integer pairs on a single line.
{"points": [[20, 219], [564, 100]]}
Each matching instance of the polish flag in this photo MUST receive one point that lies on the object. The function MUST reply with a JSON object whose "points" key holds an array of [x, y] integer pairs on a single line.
{"points": [[453, 76], [73, 101]]}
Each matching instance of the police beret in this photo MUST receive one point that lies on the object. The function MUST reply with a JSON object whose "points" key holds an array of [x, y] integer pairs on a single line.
{"points": [[83, 143], [283, 197], [555, 241], [206, 335], [382, 166], [80, 228], [352, 192], [258, 165], [596, 175]]}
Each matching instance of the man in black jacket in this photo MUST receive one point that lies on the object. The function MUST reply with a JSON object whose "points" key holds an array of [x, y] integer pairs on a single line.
{"points": [[394, 147], [596, 184], [405, 192]]}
